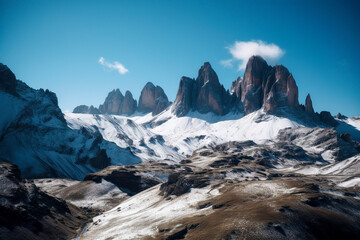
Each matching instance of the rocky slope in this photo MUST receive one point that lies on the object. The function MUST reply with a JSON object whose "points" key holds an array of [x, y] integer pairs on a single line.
{"points": [[35, 136], [235, 191], [104, 190], [26, 212]]}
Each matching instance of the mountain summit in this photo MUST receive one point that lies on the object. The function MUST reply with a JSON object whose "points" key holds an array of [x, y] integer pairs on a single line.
{"points": [[262, 86], [152, 99], [271, 88], [205, 94]]}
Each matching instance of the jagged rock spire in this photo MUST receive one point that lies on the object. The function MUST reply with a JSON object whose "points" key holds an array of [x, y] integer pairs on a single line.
{"points": [[205, 94], [152, 99], [308, 105]]}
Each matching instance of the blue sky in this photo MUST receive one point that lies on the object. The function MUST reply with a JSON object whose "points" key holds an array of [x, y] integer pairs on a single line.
{"points": [[58, 44]]}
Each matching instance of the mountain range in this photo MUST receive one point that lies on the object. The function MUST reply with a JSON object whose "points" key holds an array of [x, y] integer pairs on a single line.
{"points": [[248, 162], [262, 87]]}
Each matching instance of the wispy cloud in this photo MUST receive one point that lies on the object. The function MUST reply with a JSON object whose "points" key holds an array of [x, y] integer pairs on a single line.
{"points": [[116, 65], [227, 63], [242, 51]]}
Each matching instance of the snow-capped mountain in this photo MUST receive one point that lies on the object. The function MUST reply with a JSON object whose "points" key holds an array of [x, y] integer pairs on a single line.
{"points": [[213, 154], [260, 104], [167, 136], [35, 136]]}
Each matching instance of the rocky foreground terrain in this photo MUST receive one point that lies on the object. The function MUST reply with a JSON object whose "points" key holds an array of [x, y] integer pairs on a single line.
{"points": [[26, 212], [279, 189]]}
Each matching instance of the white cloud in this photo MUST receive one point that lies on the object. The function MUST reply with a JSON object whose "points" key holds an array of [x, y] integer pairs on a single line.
{"points": [[242, 51], [227, 63], [116, 65]]}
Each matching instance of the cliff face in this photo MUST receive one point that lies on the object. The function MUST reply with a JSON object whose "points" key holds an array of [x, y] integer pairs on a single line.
{"points": [[205, 94], [113, 103], [252, 86], [263, 86], [152, 99], [266, 86], [308, 105], [129, 105]]}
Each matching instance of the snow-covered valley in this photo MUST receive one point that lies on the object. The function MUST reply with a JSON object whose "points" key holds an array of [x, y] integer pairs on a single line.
{"points": [[166, 136]]}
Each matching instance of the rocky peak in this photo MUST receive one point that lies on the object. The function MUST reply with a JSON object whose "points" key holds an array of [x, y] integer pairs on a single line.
{"points": [[7, 80], [81, 109], [308, 105], [207, 75], [280, 89], [251, 87], [113, 103], [184, 97], [266, 86], [205, 94], [210, 95], [152, 99], [147, 98], [86, 109], [129, 104], [236, 87], [340, 116], [326, 118]]}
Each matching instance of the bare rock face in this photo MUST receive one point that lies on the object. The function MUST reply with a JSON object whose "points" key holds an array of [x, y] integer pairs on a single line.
{"points": [[152, 99], [282, 92], [340, 116], [183, 101], [116, 103], [86, 109], [266, 86], [7, 80], [252, 86], [113, 103], [161, 103], [29, 213], [236, 87], [210, 95], [308, 105], [147, 98], [205, 94], [129, 104], [81, 109], [326, 118], [130, 179]]}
